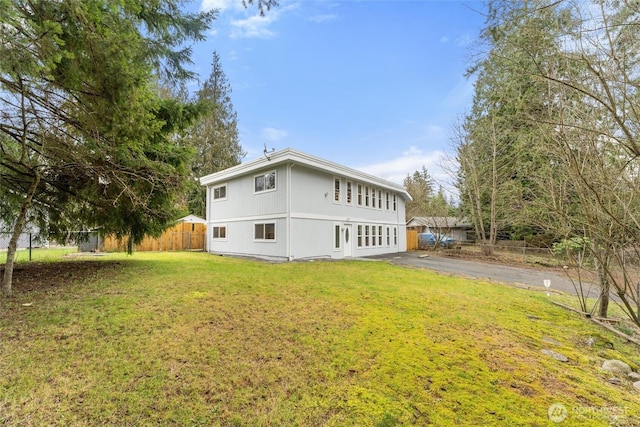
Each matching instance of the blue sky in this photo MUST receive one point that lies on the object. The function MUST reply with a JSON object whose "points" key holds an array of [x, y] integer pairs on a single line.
{"points": [[375, 85]]}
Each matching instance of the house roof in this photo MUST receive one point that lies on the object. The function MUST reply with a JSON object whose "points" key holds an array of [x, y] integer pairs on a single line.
{"points": [[439, 222], [293, 156]]}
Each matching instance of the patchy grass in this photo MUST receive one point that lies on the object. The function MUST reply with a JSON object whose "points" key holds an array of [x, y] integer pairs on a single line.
{"points": [[39, 254], [193, 339]]}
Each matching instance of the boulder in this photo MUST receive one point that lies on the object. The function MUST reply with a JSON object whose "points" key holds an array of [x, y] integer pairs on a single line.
{"points": [[559, 357], [616, 366]]}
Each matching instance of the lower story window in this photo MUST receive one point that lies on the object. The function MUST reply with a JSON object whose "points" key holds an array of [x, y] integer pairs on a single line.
{"points": [[336, 237], [220, 232], [359, 236], [265, 231], [374, 234]]}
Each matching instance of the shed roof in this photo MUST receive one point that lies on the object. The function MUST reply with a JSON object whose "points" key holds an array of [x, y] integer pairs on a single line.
{"points": [[192, 219], [298, 157]]}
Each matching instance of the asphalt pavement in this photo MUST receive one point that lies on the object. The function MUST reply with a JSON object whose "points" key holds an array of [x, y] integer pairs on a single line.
{"points": [[525, 277]]}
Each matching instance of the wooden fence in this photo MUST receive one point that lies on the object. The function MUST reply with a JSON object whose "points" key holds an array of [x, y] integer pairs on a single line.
{"points": [[412, 240], [181, 237]]}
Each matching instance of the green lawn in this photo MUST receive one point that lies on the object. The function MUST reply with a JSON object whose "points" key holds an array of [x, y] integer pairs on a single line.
{"points": [[39, 254], [194, 339]]}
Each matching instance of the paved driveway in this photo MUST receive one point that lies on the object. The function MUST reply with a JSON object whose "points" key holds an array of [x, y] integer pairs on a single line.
{"points": [[521, 276]]}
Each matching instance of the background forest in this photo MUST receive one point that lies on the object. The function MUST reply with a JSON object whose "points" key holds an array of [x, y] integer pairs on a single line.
{"points": [[549, 150]]}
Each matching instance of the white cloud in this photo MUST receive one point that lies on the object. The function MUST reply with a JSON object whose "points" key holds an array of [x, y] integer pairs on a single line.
{"points": [[273, 135], [257, 26], [413, 159], [465, 40], [221, 5], [461, 95], [444, 39], [253, 27], [319, 19]]}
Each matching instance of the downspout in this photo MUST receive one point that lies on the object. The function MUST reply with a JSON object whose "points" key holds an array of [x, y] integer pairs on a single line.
{"points": [[288, 219], [207, 215], [397, 227]]}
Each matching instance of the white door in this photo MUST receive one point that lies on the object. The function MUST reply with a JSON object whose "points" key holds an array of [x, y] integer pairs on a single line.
{"points": [[346, 244]]}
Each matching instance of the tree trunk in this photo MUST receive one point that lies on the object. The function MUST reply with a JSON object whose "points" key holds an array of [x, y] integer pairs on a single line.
{"points": [[605, 286], [494, 187], [7, 278]]}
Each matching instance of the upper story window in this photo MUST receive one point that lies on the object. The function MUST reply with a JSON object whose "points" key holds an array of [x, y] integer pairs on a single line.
{"points": [[379, 199], [220, 192], [387, 198], [359, 194], [265, 182], [395, 204], [349, 200], [336, 190], [366, 197]]}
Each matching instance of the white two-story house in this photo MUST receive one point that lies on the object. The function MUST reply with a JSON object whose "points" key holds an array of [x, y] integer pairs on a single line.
{"points": [[290, 205]]}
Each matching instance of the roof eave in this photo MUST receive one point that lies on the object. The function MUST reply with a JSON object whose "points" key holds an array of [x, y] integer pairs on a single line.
{"points": [[291, 155]]}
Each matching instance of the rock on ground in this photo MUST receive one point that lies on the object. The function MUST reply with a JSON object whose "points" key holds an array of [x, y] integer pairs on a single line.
{"points": [[616, 366]]}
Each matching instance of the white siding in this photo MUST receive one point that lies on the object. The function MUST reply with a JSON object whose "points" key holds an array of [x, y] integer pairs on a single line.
{"points": [[305, 215], [240, 239], [243, 202]]}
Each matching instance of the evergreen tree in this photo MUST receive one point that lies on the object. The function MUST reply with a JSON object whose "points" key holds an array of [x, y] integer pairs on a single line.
{"points": [[214, 137], [420, 186], [84, 136]]}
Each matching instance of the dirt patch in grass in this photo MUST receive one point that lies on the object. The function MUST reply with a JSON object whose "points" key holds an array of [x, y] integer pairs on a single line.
{"points": [[48, 276]]}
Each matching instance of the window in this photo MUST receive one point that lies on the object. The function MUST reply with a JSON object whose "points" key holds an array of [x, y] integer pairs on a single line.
{"points": [[379, 235], [220, 192], [366, 235], [359, 236], [387, 196], [349, 193], [366, 196], [265, 231], [336, 190], [336, 237], [374, 235], [388, 237], [373, 198], [395, 206], [359, 194], [265, 182], [395, 236], [220, 232], [379, 199]]}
